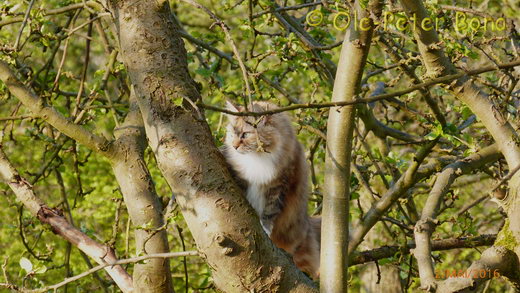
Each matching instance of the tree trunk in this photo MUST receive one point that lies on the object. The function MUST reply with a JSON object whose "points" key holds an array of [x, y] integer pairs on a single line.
{"points": [[224, 226], [340, 125], [142, 202]]}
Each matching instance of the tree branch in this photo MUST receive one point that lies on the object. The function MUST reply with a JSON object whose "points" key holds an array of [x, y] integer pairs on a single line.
{"points": [[340, 126], [426, 225], [437, 245], [117, 263], [415, 87], [224, 227], [49, 114], [92, 4], [411, 176], [59, 225], [143, 204]]}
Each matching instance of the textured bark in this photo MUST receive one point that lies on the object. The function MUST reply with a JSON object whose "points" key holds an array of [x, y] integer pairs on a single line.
{"points": [[437, 245], [340, 125], [224, 226], [142, 203]]}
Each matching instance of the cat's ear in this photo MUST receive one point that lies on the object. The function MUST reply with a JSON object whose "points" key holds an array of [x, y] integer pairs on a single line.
{"points": [[265, 119], [231, 107]]}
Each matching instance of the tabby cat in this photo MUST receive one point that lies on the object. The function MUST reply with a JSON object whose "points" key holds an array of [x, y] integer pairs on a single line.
{"points": [[266, 155]]}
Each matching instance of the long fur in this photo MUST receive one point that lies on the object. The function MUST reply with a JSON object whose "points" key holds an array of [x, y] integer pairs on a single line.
{"points": [[265, 153]]}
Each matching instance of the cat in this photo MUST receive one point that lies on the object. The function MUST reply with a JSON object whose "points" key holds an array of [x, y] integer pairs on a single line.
{"points": [[266, 156]]}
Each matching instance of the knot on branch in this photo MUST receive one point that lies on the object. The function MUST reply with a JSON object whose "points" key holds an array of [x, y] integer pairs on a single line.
{"points": [[45, 213], [228, 246], [426, 225], [430, 287]]}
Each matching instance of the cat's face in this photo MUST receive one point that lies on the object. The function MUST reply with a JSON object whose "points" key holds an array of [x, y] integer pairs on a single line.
{"points": [[245, 138]]}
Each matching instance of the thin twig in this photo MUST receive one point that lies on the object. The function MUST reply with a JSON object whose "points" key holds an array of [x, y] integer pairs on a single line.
{"points": [[118, 262], [24, 23], [225, 28], [419, 86]]}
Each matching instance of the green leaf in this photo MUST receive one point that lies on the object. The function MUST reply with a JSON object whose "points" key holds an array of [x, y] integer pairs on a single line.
{"points": [[354, 196], [40, 269], [26, 264], [178, 101]]}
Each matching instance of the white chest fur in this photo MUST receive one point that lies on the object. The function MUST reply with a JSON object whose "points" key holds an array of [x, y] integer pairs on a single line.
{"points": [[255, 196], [256, 168]]}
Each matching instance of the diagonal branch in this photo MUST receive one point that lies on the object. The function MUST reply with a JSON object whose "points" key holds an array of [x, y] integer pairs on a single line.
{"points": [[59, 225], [438, 64], [49, 114], [407, 180]]}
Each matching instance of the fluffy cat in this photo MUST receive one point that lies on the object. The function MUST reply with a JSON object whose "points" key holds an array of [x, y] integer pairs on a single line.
{"points": [[266, 155]]}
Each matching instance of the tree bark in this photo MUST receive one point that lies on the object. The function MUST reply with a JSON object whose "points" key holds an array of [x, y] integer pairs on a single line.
{"points": [[340, 125], [224, 226], [142, 203], [125, 155]]}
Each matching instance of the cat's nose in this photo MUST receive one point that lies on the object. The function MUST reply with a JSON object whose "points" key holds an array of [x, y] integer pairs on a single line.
{"points": [[236, 145]]}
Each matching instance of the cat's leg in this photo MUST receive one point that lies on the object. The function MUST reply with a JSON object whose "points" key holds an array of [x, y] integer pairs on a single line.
{"points": [[273, 207]]}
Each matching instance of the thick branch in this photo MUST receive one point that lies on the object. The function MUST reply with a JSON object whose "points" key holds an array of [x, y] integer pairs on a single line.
{"points": [[224, 226], [494, 261], [437, 245], [438, 64], [142, 202], [340, 126], [507, 139]]}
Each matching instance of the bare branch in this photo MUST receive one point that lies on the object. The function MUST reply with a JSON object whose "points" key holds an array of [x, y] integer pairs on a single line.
{"points": [[437, 245], [411, 176], [116, 263], [92, 4], [232, 43], [100, 253], [434, 81], [49, 114]]}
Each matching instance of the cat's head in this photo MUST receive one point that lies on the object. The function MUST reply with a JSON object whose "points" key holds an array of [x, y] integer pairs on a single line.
{"points": [[249, 134]]}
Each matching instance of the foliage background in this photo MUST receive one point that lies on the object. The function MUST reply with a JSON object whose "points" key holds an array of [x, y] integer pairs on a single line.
{"points": [[89, 187]]}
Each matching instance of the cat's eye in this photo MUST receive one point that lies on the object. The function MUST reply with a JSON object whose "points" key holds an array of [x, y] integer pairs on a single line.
{"points": [[244, 135]]}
